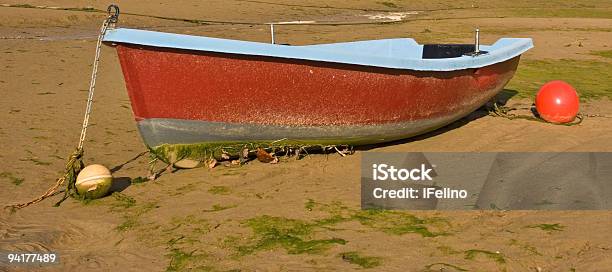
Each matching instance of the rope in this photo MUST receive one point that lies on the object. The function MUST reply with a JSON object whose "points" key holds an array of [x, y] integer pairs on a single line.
{"points": [[505, 112], [73, 167], [75, 162]]}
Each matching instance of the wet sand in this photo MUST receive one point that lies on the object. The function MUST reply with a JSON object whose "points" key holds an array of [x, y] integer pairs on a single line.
{"points": [[203, 219]]}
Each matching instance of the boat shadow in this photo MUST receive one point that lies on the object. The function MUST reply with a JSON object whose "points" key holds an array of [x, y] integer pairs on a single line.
{"points": [[501, 99], [119, 184], [118, 167]]}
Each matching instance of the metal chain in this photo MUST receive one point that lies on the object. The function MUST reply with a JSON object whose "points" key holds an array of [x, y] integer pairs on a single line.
{"points": [[92, 84], [113, 14]]}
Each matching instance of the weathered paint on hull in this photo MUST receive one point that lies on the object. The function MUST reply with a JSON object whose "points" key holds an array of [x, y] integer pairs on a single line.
{"points": [[181, 96], [173, 131]]}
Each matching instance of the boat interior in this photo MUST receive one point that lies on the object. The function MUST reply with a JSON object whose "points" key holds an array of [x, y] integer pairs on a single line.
{"points": [[401, 48], [445, 51]]}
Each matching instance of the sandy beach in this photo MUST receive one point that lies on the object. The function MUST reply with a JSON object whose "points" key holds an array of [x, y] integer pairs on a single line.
{"points": [[297, 215]]}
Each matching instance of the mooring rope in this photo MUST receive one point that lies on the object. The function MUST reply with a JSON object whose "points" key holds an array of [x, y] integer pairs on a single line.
{"points": [[73, 167], [75, 162], [505, 112]]}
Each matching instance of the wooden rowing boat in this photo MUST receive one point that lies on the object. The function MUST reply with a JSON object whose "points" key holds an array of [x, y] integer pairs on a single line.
{"points": [[208, 92]]}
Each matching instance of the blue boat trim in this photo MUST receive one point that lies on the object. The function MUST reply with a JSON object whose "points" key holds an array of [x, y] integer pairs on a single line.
{"points": [[403, 53]]}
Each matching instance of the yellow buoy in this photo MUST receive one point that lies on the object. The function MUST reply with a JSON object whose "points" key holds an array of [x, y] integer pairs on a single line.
{"points": [[94, 181]]}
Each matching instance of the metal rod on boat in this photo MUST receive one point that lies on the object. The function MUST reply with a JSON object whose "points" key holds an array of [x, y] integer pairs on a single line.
{"points": [[272, 32], [477, 41]]}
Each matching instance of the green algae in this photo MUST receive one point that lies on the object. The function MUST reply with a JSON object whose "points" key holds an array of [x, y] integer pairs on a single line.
{"points": [[548, 227], [338, 213], [580, 12], [400, 223], [391, 222], [291, 234], [132, 215], [334, 219], [188, 224], [184, 189], [138, 180], [219, 207], [123, 201], [495, 256], [295, 235], [470, 254], [178, 260], [170, 153], [605, 53], [591, 79], [127, 224], [182, 237], [181, 260], [220, 190], [446, 250], [12, 178], [354, 257], [525, 246], [334, 208]]}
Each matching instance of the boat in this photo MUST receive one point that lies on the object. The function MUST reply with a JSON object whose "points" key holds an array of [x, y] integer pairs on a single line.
{"points": [[195, 97]]}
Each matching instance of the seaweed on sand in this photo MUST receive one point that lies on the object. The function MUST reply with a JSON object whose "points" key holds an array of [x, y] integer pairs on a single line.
{"points": [[291, 234], [399, 223], [360, 260], [171, 153], [548, 227], [495, 256]]}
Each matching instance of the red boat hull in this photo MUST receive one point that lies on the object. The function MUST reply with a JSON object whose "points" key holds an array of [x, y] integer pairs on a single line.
{"points": [[183, 96]]}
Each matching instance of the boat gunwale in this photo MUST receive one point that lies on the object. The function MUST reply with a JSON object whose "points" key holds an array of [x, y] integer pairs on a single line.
{"points": [[504, 49]]}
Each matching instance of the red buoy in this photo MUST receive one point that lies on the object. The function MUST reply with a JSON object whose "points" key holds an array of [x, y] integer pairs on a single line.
{"points": [[557, 102]]}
